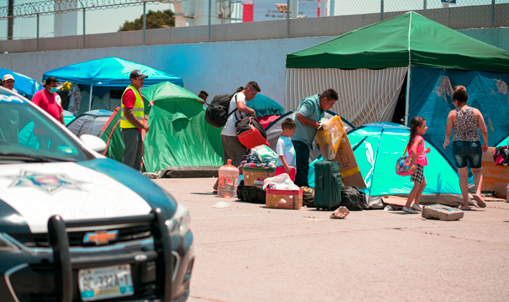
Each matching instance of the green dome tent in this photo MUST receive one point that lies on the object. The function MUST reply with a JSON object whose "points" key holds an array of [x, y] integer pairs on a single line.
{"points": [[377, 146], [180, 142]]}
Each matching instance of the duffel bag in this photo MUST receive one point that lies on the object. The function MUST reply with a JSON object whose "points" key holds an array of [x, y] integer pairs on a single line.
{"points": [[250, 133]]}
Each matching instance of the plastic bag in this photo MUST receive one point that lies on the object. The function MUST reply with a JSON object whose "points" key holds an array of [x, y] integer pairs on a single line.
{"points": [[280, 182], [264, 154], [329, 138]]}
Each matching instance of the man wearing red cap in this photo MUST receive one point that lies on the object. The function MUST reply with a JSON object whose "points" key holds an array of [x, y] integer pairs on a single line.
{"points": [[49, 100], [132, 121]]}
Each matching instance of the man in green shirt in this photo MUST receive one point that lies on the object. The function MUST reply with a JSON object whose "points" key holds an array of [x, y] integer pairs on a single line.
{"points": [[311, 110]]}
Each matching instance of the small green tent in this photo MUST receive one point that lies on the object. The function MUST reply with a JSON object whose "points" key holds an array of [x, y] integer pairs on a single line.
{"points": [[378, 146], [179, 137]]}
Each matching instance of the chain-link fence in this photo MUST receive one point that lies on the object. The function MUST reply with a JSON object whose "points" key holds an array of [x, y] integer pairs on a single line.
{"points": [[61, 18]]}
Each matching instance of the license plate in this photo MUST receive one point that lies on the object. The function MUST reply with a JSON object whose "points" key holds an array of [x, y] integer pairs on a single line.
{"points": [[105, 282]]}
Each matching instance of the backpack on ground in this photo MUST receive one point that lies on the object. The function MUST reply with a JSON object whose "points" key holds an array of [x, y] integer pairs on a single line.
{"points": [[353, 199], [217, 113], [251, 193], [501, 156]]}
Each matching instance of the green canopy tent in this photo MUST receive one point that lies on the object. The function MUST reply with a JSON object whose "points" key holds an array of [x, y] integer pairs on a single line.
{"points": [[180, 143], [368, 66]]}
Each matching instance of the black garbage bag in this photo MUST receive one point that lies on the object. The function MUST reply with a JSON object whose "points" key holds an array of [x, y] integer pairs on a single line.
{"points": [[353, 199]]}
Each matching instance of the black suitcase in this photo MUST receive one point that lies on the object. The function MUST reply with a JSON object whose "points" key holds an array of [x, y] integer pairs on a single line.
{"points": [[327, 185]]}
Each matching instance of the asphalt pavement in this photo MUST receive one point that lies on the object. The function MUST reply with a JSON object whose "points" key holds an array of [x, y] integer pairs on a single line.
{"points": [[246, 252]]}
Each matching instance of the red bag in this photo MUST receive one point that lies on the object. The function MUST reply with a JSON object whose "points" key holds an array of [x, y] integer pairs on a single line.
{"points": [[252, 138], [250, 133]]}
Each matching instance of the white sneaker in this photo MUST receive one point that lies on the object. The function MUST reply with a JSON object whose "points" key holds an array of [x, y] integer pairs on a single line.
{"points": [[409, 211], [417, 207]]}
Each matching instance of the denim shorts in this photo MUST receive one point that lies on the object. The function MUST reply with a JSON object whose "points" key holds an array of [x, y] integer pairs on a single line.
{"points": [[464, 150]]}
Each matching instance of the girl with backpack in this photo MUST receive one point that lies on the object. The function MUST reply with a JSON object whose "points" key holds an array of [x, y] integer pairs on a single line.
{"points": [[417, 154]]}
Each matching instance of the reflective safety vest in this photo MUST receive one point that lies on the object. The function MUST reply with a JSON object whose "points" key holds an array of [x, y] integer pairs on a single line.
{"points": [[138, 108]]}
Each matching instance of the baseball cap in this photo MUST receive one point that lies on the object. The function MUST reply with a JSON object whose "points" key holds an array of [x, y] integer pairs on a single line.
{"points": [[136, 74], [49, 80], [8, 77]]}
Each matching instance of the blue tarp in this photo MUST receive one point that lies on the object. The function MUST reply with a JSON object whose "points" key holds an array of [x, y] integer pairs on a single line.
{"points": [[110, 72], [431, 97], [24, 85]]}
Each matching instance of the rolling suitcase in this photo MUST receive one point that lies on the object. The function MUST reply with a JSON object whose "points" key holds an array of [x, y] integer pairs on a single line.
{"points": [[327, 185]]}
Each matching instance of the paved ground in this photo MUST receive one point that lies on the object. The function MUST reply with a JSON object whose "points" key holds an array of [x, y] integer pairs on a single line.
{"points": [[247, 252]]}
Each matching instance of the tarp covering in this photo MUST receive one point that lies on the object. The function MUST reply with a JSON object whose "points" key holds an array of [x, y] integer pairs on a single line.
{"points": [[431, 98], [179, 136], [109, 72], [264, 106], [90, 122], [365, 95], [376, 148], [407, 40], [24, 85]]}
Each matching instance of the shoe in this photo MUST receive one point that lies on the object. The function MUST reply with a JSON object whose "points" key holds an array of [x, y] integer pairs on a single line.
{"points": [[409, 211], [417, 207], [480, 202]]}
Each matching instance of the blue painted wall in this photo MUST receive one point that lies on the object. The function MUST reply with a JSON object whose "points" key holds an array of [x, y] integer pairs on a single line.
{"points": [[218, 67]]}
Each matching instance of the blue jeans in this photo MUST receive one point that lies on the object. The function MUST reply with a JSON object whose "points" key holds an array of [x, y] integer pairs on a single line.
{"points": [[464, 151], [133, 150]]}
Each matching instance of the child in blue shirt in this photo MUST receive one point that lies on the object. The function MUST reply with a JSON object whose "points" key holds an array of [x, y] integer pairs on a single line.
{"points": [[285, 151]]}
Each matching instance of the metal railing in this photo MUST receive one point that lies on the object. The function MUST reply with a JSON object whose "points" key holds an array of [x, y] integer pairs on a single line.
{"points": [[270, 15]]}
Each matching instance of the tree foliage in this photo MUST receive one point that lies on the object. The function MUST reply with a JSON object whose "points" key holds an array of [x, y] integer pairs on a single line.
{"points": [[154, 20]]}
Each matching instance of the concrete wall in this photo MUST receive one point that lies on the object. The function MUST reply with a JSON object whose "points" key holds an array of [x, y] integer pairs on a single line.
{"points": [[456, 18], [495, 36], [218, 67]]}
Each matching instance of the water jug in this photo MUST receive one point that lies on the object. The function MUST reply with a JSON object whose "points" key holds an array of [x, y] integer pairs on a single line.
{"points": [[228, 180]]}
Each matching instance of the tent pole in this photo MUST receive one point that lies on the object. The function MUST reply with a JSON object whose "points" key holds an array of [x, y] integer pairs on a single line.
{"points": [[90, 100], [407, 96]]}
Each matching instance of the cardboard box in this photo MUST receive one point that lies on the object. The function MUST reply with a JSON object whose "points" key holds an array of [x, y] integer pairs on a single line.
{"points": [[284, 199], [350, 173], [495, 178], [256, 176]]}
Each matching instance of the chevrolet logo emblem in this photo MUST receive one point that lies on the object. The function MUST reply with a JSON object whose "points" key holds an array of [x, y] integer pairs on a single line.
{"points": [[101, 237]]}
